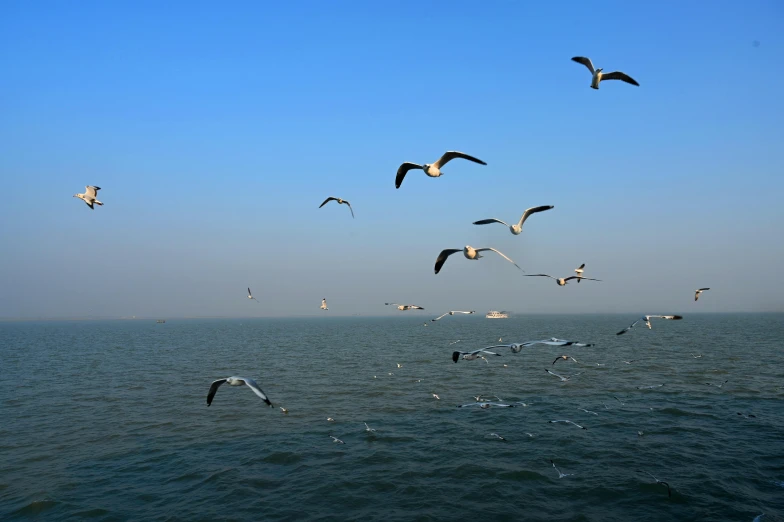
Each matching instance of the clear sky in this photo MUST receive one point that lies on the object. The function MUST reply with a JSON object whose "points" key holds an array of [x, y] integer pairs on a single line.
{"points": [[216, 129]]}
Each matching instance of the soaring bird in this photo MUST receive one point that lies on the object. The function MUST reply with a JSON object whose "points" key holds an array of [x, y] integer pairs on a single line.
{"points": [[340, 202], [698, 292], [433, 170], [324, 304], [517, 347], [470, 356], [236, 381], [579, 272], [469, 252], [669, 493], [598, 75], [517, 227], [561, 281], [404, 307], [90, 193], [453, 312], [250, 296], [647, 320]]}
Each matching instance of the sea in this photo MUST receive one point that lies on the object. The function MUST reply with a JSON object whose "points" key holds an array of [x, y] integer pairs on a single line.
{"points": [[108, 420]]}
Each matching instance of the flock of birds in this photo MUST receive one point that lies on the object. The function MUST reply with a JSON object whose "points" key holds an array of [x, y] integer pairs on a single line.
{"points": [[434, 170]]}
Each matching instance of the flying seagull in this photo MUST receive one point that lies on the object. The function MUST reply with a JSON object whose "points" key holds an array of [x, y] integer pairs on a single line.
{"points": [[469, 252], [518, 227], [565, 358], [698, 292], [486, 405], [470, 356], [250, 296], [497, 436], [453, 312], [324, 304], [579, 272], [562, 280], [369, 429], [433, 170], [647, 320], [404, 307], [669, 494], [563, 378], [560, 475], [717, 385], [599, 76], [336, 440], [569, 422], [340, 202], [588, 411], [517, 347], [90, 193], [236, 381]]}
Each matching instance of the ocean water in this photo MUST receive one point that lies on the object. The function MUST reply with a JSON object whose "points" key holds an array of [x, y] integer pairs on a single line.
{"points": [[107, 420]]}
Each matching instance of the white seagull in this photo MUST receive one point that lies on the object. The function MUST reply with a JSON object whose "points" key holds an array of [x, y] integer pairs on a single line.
{"points": [[470, 356], [497, 436], [579, 271], [560, 475], [588, 411], [598, 75], [698, 292], [486, 405], [565, 358], [453, 312], [324, 304], [250, 296], [569, 422], [236, 381], [717, 385], [517, 347], [404, 307], [669, 494], [340, 202], [518, 227], [563, 378], [369, 429], [90, 193], [470, 253], [336, 440], [433, 170], [562, 281], [647, 320]]}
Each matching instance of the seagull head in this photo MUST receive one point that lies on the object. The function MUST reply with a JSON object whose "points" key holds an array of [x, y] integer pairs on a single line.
{"points": [[599, 70]]}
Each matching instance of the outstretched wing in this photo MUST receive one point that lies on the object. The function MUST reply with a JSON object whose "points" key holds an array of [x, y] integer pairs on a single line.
{"points": [[585, 61], [672, 317], [349, 207], [91, 191], [441, 259], [532, 210], [440, 316], [579, 278], [488, 221], [255, 387], [327, 201], [213, 390], [500, 254], [456, 356], [617, 75], [452, 154], [540, 275], [630, 326], [402, 170]]}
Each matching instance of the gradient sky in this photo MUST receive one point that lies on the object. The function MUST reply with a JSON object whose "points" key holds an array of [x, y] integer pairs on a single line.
{"points": [[216, 129]]}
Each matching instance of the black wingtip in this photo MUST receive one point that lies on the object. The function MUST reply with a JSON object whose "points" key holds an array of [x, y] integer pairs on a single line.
{"points": [[455, 356]]}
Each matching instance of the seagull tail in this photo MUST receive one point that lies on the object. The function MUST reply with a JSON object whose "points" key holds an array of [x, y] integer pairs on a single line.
{"points": [[98, 202]]}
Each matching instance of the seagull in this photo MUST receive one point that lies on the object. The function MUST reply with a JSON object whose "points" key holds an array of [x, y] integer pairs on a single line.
{"points": [[649, 387], [405, 307], [647, 320], [453, 342], [565, 358], [518, 227], [629, 362], [330, 419], [698, 292], [588, 411], [340, 202], [749, 416], [284, 410], [717, 385], [560, 475], [453, 312], [561, 281], [563, 378], [599, 76], [486, 405], [579, 272], [336, 440], [469, 252], [669, 494], [250, 296], [435, 396], [569, 422], [497, 436], [90, 193], [696, 356], [399, 365], [433, 170], [516, 347], [369, 429], [479, 398], [236, 381], [619, 400], [470, 356], [324, 304]]}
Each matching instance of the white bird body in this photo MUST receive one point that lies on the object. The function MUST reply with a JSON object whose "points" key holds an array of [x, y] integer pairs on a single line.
{"points": [[250, 296], [90, 193], [597, 75], [324, 304]]}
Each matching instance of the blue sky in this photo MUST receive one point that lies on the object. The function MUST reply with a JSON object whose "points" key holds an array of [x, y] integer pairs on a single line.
{"points": [[216, 130]]}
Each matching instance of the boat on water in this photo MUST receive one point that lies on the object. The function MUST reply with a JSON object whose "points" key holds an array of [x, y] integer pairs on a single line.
{"points": [[493, 314]]}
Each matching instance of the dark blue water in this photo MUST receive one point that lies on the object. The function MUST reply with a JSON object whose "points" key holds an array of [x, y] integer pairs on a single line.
{"points": [[108, 420]]}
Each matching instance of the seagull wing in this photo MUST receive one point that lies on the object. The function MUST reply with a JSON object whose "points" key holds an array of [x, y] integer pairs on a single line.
{"points": [[213, 390], [559, 376], [349, 207], [490, 353], [456, 356], [328, 200], [585, 61], [442, 258], [393, 304], [703, 289], [672, 317], [540, 275], [488, 221], [91, 191], [415, 307], [255, 387], [500, 254], [532, 210], [452, 154], [581, 267], [630, 326], [440, 316], [617, 75], [402, 170], [580, 278]]}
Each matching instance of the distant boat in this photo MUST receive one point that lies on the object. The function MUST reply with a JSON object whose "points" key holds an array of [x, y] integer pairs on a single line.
{"points": [[492, 314], [161, 321]]}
